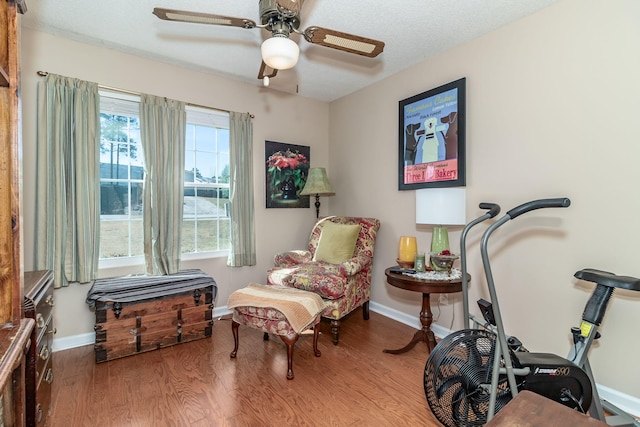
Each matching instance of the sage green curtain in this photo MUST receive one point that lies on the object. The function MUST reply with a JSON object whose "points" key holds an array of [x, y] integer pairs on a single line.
{"points": [[68, 179], [243, 241], [162, 134]]}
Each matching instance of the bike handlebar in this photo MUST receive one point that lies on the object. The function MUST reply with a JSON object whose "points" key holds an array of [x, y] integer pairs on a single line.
{"points": [[561, 202], [494, 209]]}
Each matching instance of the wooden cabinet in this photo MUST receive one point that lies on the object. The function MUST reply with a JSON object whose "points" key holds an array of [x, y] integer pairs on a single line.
{"points": [[38, 305], [15, 330], [14, 341]]}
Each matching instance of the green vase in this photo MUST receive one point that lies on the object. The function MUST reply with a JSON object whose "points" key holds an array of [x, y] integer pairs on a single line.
{"points": [[439, 242]]}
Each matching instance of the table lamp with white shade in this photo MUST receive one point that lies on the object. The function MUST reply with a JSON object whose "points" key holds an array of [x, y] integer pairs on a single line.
{"points": [[441, 207]]}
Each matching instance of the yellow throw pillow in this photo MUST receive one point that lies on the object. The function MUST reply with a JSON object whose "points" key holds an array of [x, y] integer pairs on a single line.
{"points": [[337, 242]]}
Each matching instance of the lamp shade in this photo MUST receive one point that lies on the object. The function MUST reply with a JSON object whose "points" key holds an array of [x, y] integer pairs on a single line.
{"points": [[317, 183], [280, 53], [441, 206]]}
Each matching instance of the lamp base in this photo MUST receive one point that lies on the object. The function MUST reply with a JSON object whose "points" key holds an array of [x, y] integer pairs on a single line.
{"points": [[317, 206], [439, 243]]}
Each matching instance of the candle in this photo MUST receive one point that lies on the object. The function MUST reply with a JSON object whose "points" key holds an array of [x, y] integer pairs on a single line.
{"points": [[420, 265], [407, 248]]}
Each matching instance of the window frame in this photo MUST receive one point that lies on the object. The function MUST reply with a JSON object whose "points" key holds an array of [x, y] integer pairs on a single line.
{"points": [[195, 115], [203, 116]]}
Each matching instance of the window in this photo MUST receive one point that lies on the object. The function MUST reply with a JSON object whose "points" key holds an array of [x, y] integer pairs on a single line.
{"points": [[206, 219], [121, 177], [206, 189]]}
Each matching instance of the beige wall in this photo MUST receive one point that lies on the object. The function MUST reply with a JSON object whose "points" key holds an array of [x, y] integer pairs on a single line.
{"points": [[552, 110], [549, 100], [278, 117]]}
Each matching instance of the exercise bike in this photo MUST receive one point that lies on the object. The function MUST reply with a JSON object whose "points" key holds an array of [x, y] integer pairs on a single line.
{"points": [[473, 373]]}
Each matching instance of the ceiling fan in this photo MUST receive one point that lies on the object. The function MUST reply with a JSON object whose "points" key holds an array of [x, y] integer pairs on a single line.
{"points": [[281, 18]]}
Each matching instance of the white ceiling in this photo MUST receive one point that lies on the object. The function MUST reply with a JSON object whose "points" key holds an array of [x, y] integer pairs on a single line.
{"points": [[413, 30]]}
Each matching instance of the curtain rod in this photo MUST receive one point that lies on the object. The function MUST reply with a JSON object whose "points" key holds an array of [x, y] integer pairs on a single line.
{"points": [[130, 92]]}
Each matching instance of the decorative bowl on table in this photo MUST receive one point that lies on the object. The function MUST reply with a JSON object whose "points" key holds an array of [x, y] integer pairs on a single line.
{"points": [[442, 261], [405, 264]]}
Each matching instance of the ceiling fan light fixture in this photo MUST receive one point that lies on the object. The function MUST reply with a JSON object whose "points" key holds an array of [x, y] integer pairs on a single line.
{"points": [[280, 53]]}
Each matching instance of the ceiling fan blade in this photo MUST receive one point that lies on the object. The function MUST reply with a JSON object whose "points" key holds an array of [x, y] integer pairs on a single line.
{"points": [[266, 71], [344, 41], [202, 18]]}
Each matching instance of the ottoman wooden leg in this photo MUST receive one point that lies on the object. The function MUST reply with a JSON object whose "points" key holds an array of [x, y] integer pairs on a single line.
{"points": [[234, 329], [290, 342], [315, 340]]}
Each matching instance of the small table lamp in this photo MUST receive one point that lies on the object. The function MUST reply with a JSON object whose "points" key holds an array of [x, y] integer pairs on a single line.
{"points": [[440, 207], [318, 184]]}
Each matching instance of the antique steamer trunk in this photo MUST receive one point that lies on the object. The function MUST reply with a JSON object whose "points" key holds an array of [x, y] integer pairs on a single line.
{"points": [[135, 314]]}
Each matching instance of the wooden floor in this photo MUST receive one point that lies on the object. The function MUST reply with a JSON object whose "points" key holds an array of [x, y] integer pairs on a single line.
{"points": [[197, 384]]}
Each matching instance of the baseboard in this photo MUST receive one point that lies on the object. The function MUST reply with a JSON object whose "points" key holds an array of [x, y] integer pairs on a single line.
{"points": [[73, 341], [221, 311], [407, 319], [627, 403], [624, 401]]}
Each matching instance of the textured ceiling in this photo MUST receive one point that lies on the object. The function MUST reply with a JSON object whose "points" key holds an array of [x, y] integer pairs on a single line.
{"points": [[413, 30]]}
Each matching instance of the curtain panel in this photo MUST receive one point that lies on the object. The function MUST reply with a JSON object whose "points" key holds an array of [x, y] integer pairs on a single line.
{"points": [[68, 179], [243, 242], [162, 134], [68, 182]]}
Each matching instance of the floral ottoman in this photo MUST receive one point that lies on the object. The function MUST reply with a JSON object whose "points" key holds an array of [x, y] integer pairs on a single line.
{"points": [[276, 310]]}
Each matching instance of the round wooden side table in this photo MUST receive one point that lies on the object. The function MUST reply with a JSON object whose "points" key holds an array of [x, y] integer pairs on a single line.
{"points": [[427, 287]]}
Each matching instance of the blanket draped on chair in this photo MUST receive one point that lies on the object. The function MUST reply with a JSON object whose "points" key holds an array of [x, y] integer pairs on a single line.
{"points": [[299, 307]]}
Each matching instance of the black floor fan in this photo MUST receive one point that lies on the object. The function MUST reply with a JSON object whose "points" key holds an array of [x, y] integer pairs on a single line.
{"points": [[456, 375]]}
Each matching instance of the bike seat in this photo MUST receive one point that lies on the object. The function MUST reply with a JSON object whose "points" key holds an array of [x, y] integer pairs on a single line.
{"points": [[608, 279]]}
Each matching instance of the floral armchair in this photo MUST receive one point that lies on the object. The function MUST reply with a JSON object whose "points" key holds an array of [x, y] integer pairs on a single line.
{"points": [[336, 265]]}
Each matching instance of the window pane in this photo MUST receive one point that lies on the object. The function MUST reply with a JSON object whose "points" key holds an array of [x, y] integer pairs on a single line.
{"points": [[212, 235], [205, 215], [121, 175], [137, 237], [190, 140], [137, 159], [223, 168], [113, 198], [120, 237], [136, 201], [223, 140], [112, 233], [209, 235], [205, 138], [206, 166], [224, 233], [188, 243], [121, 219]]}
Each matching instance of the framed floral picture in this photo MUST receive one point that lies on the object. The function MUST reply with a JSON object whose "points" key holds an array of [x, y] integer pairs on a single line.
{"points": [[287, 166]]}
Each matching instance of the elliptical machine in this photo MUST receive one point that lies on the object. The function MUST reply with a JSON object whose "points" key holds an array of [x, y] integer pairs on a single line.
{"points": [[473, 373]]}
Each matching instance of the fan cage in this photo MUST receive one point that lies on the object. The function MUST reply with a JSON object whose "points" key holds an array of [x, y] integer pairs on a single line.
{"points": [[457, 378]]}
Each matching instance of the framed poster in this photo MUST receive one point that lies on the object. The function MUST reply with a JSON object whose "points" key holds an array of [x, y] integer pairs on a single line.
{"points": [[431, 148], [287, 166]]}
